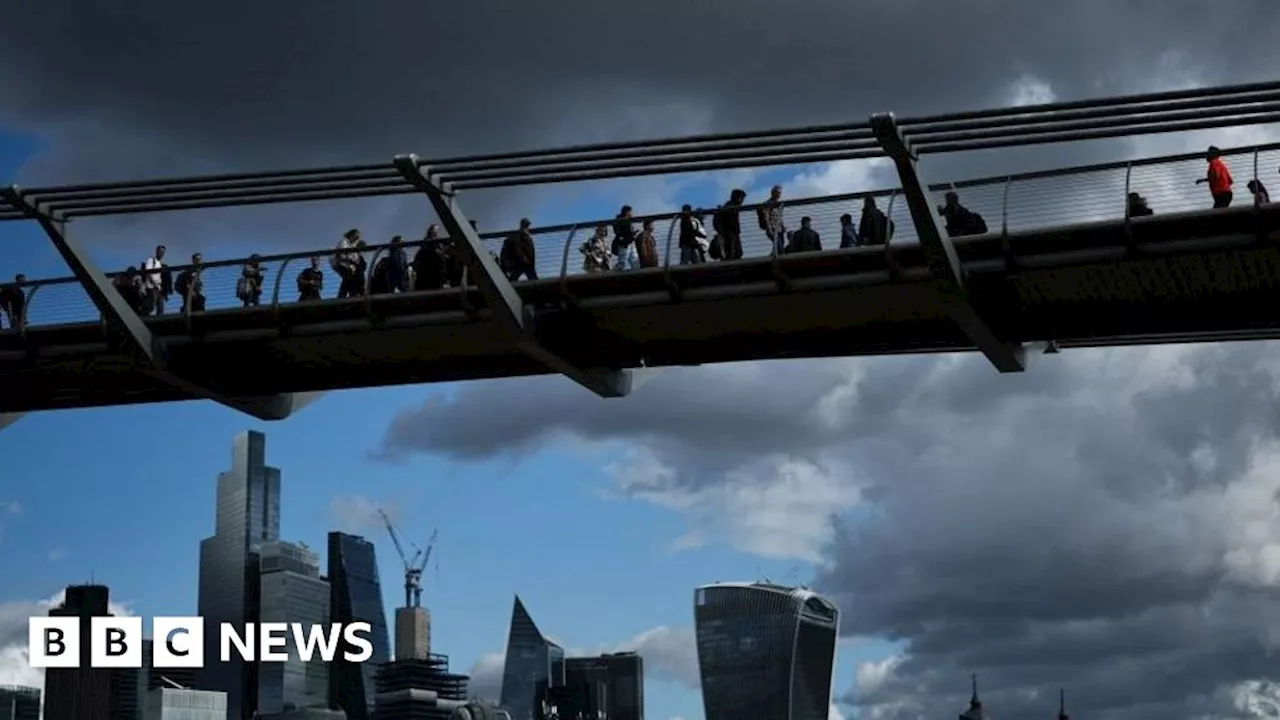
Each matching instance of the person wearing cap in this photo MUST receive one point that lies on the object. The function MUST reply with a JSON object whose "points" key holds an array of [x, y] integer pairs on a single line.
{"points": [[1218, 177]]}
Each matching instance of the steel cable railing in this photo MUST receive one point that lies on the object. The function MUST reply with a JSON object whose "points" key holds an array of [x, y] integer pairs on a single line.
{"points": [[1020, 203]]}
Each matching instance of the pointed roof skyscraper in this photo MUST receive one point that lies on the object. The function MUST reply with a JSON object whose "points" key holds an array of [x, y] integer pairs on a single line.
{"points": [[529, 662], [1062, 704]]}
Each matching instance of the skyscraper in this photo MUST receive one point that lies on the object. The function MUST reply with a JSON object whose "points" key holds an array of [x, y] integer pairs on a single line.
{"points": [[529, 664], [765, 650], [621, 675], [248, 514], [355, 595], [19, 703], [292, 592], [81, 693]]}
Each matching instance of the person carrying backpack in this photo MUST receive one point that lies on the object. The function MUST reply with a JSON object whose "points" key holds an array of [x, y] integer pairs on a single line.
{"points": [[874, 227], [960, 219], [190, 286]]}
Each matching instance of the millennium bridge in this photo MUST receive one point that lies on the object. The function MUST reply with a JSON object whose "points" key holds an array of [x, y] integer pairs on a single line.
{"points": [[1063, 265]]}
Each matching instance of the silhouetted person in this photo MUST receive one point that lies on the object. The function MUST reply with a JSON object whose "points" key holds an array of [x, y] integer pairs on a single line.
{"points": [[960, 219], [729, 226], [874, 227], [190, 285], [129, 285], [769, 216], [1218, 177], [805, 239], [624, 241], [348, 263], [647, 246], [311, 282], [1138, 206], [430, 262], [519, 254], [380, 278], [596, 251], [249, 286], [1259, 192], [157, 281], [397, 266], [690, 228], [848, 232], [13, 300]]}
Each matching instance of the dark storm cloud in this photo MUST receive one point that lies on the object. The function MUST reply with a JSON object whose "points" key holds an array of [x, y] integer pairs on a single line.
{"points": [[147, 87], [1103, 522]]}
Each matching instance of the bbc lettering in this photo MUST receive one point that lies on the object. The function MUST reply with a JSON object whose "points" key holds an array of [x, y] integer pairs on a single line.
{"points": [[116, 642]]}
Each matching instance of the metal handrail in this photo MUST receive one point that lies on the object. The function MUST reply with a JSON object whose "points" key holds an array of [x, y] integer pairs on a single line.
{"points": [[1008, 212]]}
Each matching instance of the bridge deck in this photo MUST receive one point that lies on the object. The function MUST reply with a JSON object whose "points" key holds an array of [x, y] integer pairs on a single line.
{"points": [[1205, 275]]}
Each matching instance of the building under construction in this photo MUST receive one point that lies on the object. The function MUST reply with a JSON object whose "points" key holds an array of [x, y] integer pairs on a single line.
{"points": [[419, 689]]}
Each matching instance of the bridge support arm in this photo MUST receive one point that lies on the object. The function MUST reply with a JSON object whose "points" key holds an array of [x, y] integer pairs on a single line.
{"points": [[508, 309], [944, 264], [123, 322]]}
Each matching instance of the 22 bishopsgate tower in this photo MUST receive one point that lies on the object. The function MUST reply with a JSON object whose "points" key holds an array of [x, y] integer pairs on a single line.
{"points": [[248, 515]]}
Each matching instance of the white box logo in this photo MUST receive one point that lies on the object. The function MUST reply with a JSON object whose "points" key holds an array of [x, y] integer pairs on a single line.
{"points": [[54, 642], [115, 642], [178, 642]]}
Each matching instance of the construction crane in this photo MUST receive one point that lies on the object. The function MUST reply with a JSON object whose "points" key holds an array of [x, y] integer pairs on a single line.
{"points": [[413, 564]]}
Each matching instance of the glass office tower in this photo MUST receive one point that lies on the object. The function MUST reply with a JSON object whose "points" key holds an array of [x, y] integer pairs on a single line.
{"points": [[355, 595], [19, 703], [529, 665], [621, 675], [765, 650], [292, 592], [248, 514]]}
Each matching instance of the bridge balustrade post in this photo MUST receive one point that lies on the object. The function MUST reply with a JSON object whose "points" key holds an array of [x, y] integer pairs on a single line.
{"points": [[124, 324], [944, 265], [564, 261], [507, 307], [1256, 198], [1004, 206]]}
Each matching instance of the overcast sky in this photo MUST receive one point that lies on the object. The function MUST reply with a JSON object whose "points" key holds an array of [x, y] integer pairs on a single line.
{"points": [[1105, 522]]}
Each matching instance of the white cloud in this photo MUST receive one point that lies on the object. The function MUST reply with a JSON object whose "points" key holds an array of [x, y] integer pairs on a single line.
{"points": [[15, 668], [777, 507], [359, 514], [12, 507], [872, 674], [1030, 90]]}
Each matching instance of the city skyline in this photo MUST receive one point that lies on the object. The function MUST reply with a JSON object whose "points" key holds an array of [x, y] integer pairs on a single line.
{"points": [[957, 517], [256, 456]]}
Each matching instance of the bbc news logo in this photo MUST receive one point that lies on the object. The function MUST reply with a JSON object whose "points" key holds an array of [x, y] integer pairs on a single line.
{"points": [[116, 642]]}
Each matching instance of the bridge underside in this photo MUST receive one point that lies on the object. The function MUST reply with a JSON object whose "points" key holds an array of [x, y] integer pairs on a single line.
{"points": [[1177, 278]]}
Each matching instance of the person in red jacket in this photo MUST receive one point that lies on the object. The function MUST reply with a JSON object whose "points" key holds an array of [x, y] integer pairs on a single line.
{"points": [[1218, 177]]}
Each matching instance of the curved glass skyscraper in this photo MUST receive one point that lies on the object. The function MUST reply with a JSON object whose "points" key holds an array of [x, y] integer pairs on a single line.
{"points": [[765, 651]]}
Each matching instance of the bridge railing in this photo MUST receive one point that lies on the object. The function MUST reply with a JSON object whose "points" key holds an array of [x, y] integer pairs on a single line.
{"points": [[1019, 203]]}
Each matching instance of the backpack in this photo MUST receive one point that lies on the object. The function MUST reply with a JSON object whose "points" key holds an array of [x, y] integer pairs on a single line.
{"points": [[242, 288], [762, 216], [979, 224], [716, 250], [183, 285]]}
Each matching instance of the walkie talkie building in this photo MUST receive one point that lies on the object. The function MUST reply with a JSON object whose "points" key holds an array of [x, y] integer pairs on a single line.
{"points": [[765, 651]]}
